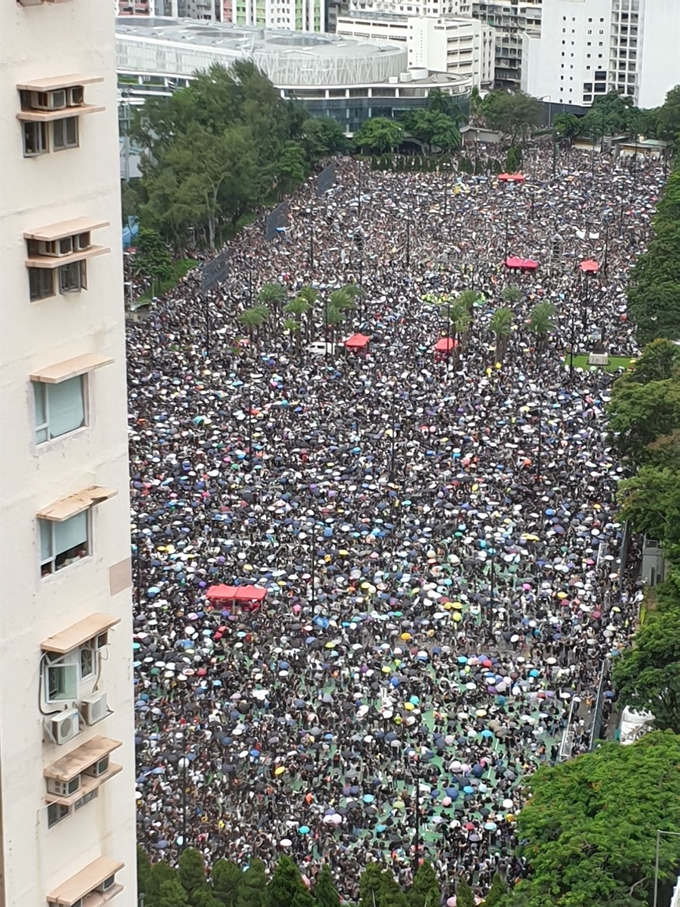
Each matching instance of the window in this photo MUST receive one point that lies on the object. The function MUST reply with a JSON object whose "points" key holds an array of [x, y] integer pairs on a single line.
{"points": [[65, 133], [35, 139], [87, 662], [59, 408], [61, 544], [73, 277], [62, 679], [41, 283], [55, 813]]}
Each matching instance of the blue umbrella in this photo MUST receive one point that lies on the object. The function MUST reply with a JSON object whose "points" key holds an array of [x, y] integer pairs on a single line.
{"points": [[368, 798], [468, 790], [304, 829], [487, 733], [161, 845]]}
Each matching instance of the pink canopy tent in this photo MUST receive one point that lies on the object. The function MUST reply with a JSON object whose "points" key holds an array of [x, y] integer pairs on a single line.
{"points": [[357, 342], [513, 262], [248, 598], [511, 177], [589, 266], [528, 264], [444, 347]]}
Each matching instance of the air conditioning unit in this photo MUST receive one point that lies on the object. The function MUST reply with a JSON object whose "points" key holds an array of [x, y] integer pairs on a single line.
{"points": [[48, 100], [94, 708], [64, 726], [99, 768], [106, 884], [83, 241], [76, 96], [56, 248], [63, 788]]}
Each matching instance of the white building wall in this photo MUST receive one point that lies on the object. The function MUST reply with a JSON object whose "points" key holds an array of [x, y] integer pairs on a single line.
{"points": [[659, 56], [56, 39], [569, 62]]}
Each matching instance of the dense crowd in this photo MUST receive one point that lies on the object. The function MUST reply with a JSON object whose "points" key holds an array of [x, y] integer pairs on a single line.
{"points": [[437, 539]]}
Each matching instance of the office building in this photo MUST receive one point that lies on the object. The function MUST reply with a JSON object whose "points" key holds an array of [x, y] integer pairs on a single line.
{"points": [[590, 47], [511, 19], [455, 45], [294, 15], [67, 806]]}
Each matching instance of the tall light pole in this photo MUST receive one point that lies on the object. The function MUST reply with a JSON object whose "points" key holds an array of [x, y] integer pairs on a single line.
{"points": [[660, 832]]}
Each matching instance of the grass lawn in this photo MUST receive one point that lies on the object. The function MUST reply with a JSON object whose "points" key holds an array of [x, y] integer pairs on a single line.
{"points": [[615, 362], [179, 269]]}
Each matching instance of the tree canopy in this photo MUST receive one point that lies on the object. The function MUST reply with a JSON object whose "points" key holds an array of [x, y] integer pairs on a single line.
{"points": [[379, 135], [590, 826]]}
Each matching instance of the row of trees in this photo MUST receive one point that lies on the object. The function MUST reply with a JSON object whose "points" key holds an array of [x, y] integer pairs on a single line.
{"points": [[231, 885], [612, 114], [654, 292]]}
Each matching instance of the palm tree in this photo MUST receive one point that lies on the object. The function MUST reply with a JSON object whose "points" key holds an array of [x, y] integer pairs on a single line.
{"points": [[511, 295], [297, 308], [460, 318], [273, 295], [293, 328], [341, 300], [542, 322], [311, 297], [252, 319], [501, 327], [468, 298], [334, 318]]}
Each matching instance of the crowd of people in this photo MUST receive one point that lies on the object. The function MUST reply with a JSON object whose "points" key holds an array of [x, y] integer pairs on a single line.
{"points": [[437, 539]]}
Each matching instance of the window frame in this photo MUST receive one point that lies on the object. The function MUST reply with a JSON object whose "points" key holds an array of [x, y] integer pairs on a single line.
{"points": [[81, 266], [92, 653], [40, 387], [67, 145], [40, 129], [56, 554], [63, 812], [59, 665], [33, 272]]}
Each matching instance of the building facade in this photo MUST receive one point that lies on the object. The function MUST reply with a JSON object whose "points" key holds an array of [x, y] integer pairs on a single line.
{"points": [[66, 714], [294, 15], [455, 45], [587, 48], [511, 19]]}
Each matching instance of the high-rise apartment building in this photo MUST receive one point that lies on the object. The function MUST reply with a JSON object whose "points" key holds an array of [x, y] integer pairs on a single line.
{"points": [[295, 15], [67, 807], [511, 19], [590, 47]]}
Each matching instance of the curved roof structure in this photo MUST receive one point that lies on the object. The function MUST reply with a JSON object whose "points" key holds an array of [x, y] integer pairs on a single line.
{"points": [[182, 46]]}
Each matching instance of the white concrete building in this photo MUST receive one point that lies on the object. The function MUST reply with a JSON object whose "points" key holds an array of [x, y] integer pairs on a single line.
{"points": [[511, 19], [569, 62], [451, 44], [67, 806], [413, 7], [644, 62], [295, 15], [590, 47]]}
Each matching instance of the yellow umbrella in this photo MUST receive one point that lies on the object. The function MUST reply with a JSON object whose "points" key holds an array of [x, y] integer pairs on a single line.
{"points": [[409, 706], [481, 713], [385, 669], [406, 636], [330, 645], [343, 552], [561, 594], [457, 616], [280, 770], [447, 606], [457, 605]]}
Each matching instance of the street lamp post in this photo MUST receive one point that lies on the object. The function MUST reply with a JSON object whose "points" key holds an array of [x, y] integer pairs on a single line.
{"points": [[207, 326], [659, 832], [507, 232], [184, 764], [408, 243], [312, 570], [311, 235], [572, 341]]}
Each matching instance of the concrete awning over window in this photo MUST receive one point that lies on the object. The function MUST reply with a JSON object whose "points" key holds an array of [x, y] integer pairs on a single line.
{"points": [[79, 633], [70, 368], [76, 503], [84, 882], [64, 228]]}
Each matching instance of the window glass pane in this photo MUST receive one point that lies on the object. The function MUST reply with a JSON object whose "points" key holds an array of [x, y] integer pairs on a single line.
{"points": [[86, 662], [39, 397], [45, 539], [67, 411], [71, 131], [71, 533], [62, 682]]}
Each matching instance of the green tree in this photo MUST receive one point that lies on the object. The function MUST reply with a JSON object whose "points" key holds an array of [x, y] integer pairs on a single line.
{"points": [[424, 892], [334, 318], [459, 316], [323, 136], [468, 298], [511, 295], [513, 159], [204, 898], [650, 501], [501, 328], [659, 361], [325, 892], [464, 894], [225, 879], [439, 101], [253, 319], [513, 114], [497, 892], [641, 413], [378, 135], [292, 167], [191, 871], [272, 297], [160, 872], [172, 895], [433, 129], [252, 892], [370, 886], [567, 126], [542, 322], [143, 869], [391, 894], [668, 117], [589, 826], [303, 898], [152, 259], [285, 883], [608, 115], [341, 300]]}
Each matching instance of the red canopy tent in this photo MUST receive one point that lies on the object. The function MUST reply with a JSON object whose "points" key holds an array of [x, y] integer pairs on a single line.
{"points": [[513, 263], [528, 264], [511, 177], [357, 342], [589, 266], [444, 347], [249, 598]]}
